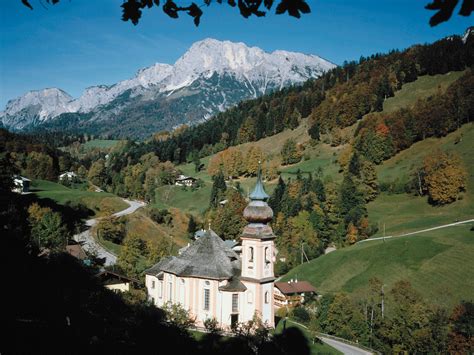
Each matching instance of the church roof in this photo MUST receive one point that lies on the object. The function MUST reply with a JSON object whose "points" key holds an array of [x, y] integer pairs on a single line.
{"points": [[208, 257], [258, 192]]}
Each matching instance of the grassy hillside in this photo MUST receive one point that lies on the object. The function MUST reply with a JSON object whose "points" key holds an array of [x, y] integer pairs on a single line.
{"points": [[400, 213], [96, 201], [403, 213], [423, 87], [437, 263]]}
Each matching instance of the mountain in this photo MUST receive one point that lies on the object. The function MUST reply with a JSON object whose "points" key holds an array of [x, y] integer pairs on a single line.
{"points": [[210, 77]]}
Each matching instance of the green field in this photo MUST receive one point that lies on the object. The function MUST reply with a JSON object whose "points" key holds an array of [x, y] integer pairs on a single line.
{"points": [[101, 143], [438, 264], [404, 213], [62, 194], [423, 87]]}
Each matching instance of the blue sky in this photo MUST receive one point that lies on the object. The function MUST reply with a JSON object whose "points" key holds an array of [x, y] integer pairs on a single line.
{"points": [[80, 43]]}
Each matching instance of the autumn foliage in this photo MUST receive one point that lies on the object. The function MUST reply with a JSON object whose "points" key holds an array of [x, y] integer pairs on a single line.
{"points": [[444, 176]]}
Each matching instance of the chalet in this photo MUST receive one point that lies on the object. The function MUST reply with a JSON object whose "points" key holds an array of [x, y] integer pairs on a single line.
{"points": [[115, 282], [183, 180], [292, 293], [69, 175], [211, 280], [21, 184]]}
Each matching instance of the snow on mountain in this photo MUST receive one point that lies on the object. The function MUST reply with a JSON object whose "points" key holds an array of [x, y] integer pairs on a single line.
{"points": [[469, 31], [250, 67], [50, 102], [210, 56]]}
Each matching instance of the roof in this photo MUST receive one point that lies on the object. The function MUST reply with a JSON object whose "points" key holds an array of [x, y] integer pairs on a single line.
{"points": [[76, 251], [107, 276], [289, 288], [199, 233], [258, 192], [22, 178], [230, 243], [182, 177], [208, 257], [234, 285]]}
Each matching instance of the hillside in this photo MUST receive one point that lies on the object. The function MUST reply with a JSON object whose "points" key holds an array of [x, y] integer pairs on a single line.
{"points": [[406, 212], [437, 264], [325, 156]]}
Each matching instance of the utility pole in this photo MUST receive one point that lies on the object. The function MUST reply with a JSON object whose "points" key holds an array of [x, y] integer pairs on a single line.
{"points": [[382, 293]]}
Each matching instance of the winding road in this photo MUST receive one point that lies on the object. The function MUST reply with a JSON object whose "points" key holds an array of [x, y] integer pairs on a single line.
{"points": [[344, 348], [88, 242]]}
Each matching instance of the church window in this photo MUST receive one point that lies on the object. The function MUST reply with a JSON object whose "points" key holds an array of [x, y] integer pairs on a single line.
{"points": [[153, 284], [170, 291], [207, 300], [267, 297], [161, 289], [267, 255], [235, 302], [250, 297], [251, 254]]}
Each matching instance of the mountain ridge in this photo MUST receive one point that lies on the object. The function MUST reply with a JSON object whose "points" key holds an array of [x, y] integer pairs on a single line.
{"points": [[248, 70]]}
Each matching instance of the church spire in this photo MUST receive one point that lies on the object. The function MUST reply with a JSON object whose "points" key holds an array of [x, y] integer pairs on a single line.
{"points": [[258, 193]]}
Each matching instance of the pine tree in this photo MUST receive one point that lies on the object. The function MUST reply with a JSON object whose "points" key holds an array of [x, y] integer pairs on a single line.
{"points": [[218, 189], [351, 203], [192, 226], [275, 199], [314, 132], [355, 165]]}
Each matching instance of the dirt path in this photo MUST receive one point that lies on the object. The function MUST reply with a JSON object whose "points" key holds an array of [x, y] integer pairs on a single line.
{"points": [[417, 232], [92, 246]]}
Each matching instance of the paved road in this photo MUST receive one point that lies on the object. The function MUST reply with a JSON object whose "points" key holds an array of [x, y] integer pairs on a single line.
{"points": [[90, 244], [420, 231], [344, 348]]}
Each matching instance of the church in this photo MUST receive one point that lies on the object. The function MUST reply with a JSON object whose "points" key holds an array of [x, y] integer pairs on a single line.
{"points": [[213, 281]]}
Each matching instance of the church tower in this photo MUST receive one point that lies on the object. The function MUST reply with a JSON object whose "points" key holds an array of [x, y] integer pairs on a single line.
{"points": [[258, 251]]}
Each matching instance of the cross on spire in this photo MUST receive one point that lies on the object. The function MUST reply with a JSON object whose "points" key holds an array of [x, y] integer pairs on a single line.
{"points": [[258, 192]]}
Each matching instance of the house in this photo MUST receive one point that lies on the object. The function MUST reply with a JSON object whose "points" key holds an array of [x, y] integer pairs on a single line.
{"points": [[115, 282], [69, 175], [211, 280], [292, 293], [183, 180], [76, 251], [21, 184]]}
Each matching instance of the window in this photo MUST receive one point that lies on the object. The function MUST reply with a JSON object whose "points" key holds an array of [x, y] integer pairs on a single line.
{"points": [[250, 297], [206, 299], [170, 285], [153, 284], [161, 289], [251, 254], [267, 255], [235, 302], [267, 297]]}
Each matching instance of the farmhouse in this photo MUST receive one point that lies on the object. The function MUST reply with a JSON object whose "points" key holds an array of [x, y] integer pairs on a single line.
{"points": [[69, 175], [115, 282], [211, 280], [183, 180], [292, 293], [21, 184]]}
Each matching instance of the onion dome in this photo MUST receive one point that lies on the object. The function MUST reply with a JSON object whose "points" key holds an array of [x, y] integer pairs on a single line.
{"points": [[258, 211]]}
